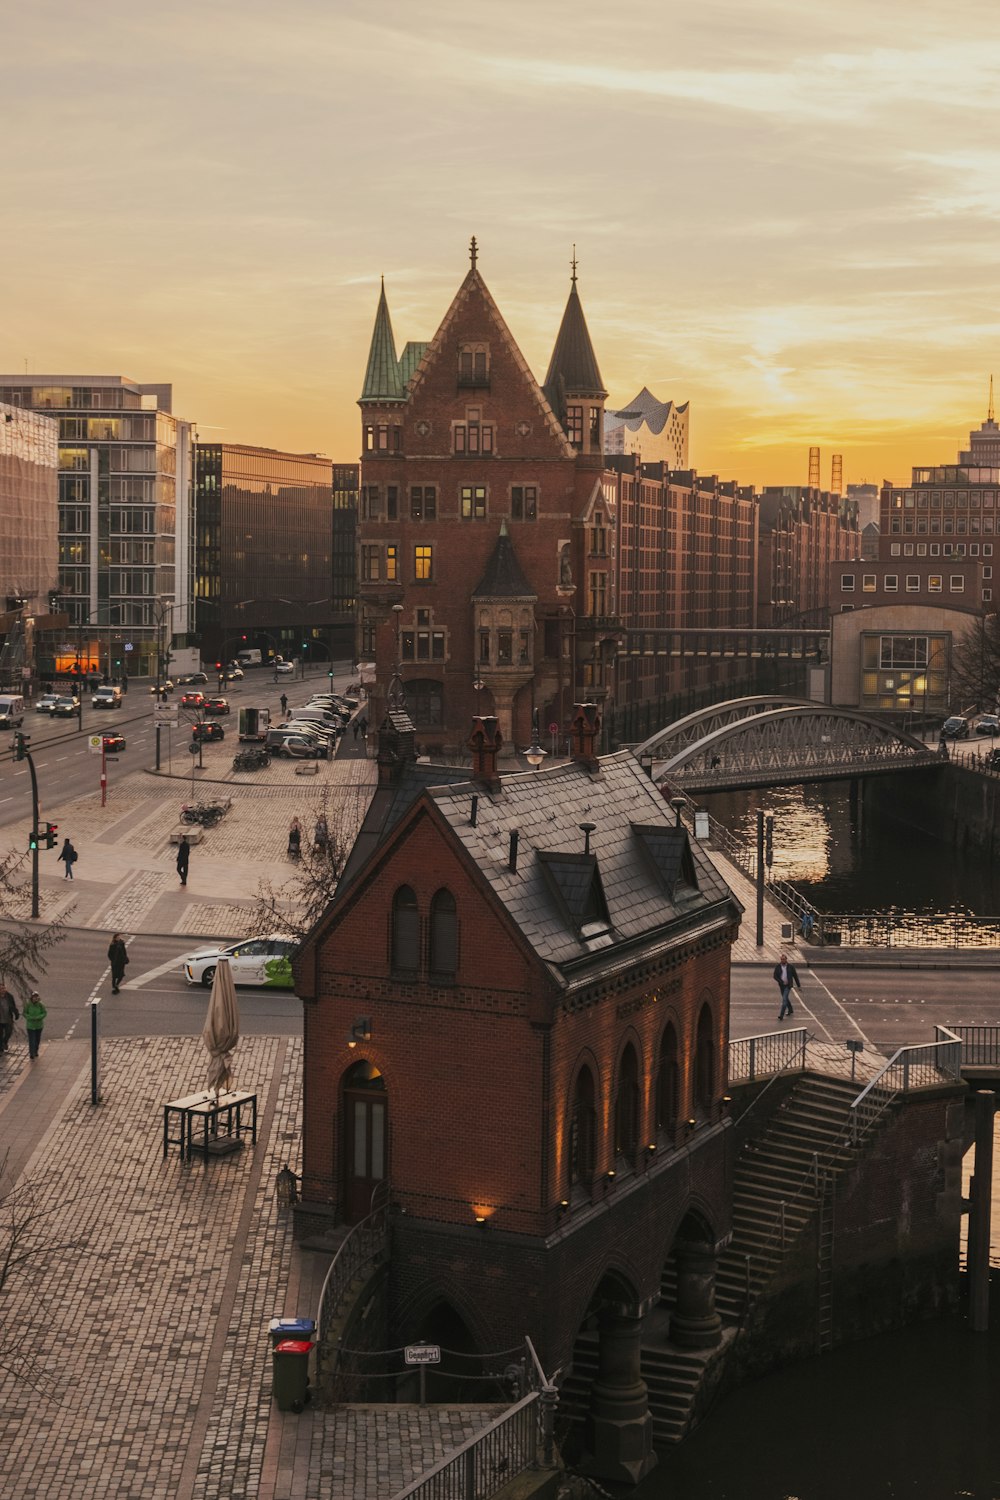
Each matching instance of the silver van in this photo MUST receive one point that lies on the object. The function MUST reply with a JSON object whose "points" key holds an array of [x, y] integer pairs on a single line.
{"points": [[11, 711]]}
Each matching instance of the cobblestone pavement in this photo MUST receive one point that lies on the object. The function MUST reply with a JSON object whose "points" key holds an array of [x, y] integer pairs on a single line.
{"points": [[145, 1324]]}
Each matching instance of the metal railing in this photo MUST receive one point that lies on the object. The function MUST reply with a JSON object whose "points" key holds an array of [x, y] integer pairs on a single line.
{"points": [[523, 1438], [980, 1045], [909, 1068], [366, 1245], [773, 1052]]}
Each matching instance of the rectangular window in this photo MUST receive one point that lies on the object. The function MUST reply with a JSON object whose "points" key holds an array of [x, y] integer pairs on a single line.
{"points": [[392, 502], [423, 645], [987, 595], [437, 645], [369, 438], [484, 647], [956, 583], [423, 502], [423, 564], [505, 647], [847, 583], [473, 502], [868, 583], [392, 563], [913, 583], [987, 572], [370, 502], [933, 583], [370, 560], [525, 647], [893, 549], [408, 645], [574, 425], [523, 502], [472, 437], [598, 593], [987, 549], [891, 583]]}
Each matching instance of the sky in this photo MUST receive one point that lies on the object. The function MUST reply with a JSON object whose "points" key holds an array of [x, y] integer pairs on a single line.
{"points": [[784, 213]]}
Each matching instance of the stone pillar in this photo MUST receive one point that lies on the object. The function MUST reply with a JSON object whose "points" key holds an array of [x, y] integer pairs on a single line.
{"points": [[694, 1323], [619, 1430]]}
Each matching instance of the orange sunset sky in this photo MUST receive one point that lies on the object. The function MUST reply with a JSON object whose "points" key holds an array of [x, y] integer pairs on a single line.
{"points": [[785, 213]]}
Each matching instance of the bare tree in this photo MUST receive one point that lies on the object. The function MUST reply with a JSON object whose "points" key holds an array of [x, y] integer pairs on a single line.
{"points": [[24, 948], [26, 1241], [297, 905], [975, 665]]}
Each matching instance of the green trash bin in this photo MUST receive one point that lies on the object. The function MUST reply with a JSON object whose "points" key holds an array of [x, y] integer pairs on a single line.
{"points": [[290, 1359]]}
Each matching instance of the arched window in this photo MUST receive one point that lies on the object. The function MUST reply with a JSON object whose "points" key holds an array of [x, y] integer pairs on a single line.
{"points": [[583, 1132], [668, 1083], [444, 936], [704, 1062], [405, 931], [627, 1106]]}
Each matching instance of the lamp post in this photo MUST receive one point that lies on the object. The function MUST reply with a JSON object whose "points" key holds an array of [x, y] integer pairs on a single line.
{"points": [[534, 754]]}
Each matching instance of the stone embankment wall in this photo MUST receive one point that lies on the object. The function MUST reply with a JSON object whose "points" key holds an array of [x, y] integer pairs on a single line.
{"points": [[958, 806]]}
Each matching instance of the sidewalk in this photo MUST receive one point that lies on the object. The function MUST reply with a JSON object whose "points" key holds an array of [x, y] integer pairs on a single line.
{"points": [[144, 1321]]}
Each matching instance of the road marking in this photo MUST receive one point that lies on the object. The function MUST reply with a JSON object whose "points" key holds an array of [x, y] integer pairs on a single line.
{"points": [[840, 1007], [151, 974]]}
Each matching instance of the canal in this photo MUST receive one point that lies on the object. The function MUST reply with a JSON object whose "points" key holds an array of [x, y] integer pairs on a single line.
{"points": [[843, 861], [911, 1414]]}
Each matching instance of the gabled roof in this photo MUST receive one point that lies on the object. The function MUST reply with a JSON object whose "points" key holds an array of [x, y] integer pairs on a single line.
{"points": [[669, 852], [382, 377], [410, 359], [504, 577], [573, 368]]}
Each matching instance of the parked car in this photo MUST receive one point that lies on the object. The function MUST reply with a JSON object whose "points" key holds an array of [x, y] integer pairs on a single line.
{"points": [[312, 732], [993, 759], [45, 702], [64, 707], [193, 699], [207, 732], [264, 961], [113, 743], [296, 745], [988, 724], [217, 705], [285, 668], [955, 728]]}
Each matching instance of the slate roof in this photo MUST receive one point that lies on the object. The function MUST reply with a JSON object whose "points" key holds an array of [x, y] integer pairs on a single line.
{"points": [[504, 578], [635, 853], [388, 805], [573, 367], [382, 377]]}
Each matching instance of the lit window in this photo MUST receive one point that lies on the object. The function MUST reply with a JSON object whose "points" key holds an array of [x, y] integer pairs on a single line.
{"points": [[423, 564], [392, 563], [473, 502], [868, 583], [934, 583]]}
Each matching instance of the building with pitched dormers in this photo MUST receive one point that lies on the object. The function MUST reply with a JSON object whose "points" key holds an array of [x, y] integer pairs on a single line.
{"points": [[516, 1015]]}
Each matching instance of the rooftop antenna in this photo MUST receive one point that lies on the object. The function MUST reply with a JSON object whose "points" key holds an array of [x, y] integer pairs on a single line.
{"points": [[573, 265], [989, 414]]}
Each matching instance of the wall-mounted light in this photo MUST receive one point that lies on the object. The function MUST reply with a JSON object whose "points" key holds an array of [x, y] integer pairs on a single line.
{"points": [[564, 1205], [727, 1099], [482, 1220], [691, 1123], [651, 1148], [610, 1176], [361, 1031]]}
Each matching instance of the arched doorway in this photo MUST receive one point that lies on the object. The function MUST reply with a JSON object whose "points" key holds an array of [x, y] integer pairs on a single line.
{"points": [[365, 1114]]}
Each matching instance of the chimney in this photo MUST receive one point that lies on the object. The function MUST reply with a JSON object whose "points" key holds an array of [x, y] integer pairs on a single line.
{"points": [[484, 742], [512, 857], [585, 728]]}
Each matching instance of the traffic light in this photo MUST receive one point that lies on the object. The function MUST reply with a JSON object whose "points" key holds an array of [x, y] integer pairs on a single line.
{"points": [[51, 829], [218, 666], [330, 675], [21, 743], [33, 840]]}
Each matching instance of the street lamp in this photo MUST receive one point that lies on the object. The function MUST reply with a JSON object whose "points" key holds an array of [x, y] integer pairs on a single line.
{"points": [[534, 754]]}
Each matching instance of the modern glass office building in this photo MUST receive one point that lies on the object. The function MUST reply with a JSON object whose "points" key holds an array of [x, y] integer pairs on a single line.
{"points": [[125, 515], [263, 556]]}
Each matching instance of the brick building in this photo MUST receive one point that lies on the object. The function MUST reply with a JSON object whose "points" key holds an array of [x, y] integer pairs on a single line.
{"points": [[802, 532], [483, 534], [516, 1013]]}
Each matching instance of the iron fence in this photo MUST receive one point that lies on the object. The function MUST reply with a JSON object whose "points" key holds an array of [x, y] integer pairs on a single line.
{"points": [[909, 1068], [980, 1045], [755, 1057], [365, 1246], [484, 1464]]}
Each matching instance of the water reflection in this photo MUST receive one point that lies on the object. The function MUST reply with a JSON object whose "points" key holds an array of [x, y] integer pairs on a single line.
{"points": [[844, 861]]}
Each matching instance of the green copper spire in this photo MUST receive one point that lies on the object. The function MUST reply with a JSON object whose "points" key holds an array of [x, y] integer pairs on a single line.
{"points": [[382, 378]]}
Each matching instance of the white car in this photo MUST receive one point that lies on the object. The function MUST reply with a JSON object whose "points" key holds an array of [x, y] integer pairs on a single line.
{"points": [[285, 668], [45, 702], [263, 961]]}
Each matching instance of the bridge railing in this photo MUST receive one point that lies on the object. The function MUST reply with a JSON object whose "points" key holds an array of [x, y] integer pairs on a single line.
{"points": [[980, 1045], [755, 1057]]}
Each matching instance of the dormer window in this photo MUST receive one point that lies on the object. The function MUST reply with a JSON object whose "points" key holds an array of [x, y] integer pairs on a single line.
{"points": [[473, 365]]}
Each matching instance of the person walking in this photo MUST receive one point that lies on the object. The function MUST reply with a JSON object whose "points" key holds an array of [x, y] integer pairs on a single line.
{"points": [[295, 839], [183, 858], [118, 959], [283, 700], [34, 1020], [321, 835], [69, 856], [8, 1015], [786, 977], [356, 727]]}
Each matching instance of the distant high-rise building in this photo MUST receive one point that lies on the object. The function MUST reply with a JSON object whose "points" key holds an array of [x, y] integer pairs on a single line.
{"points": [[125, 513], [656, 430], [29, 508], [983, 451]]}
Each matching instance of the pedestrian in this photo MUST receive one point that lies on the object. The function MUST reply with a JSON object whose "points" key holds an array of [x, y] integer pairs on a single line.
{"points": [[356, 726], [34, 1020], [183, 858], [118, 959], [294, 839], [321, 835], [807, 925], [8, 1015], [283, 700], [363, 726], [786, 977], [69, 856]]}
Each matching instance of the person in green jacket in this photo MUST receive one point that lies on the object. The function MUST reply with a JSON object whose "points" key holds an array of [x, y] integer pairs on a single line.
{"points": [[34, 1020]]}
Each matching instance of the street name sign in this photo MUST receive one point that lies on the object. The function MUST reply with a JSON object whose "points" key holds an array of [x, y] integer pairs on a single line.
{"points": [[422, 1354]]}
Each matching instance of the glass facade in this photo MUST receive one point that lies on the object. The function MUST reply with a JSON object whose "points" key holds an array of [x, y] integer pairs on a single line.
{"points": [[29, 510]]}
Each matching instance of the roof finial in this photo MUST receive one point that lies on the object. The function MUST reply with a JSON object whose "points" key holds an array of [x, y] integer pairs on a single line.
{"points": [[989, 414], [473, 251], [573, 267]]}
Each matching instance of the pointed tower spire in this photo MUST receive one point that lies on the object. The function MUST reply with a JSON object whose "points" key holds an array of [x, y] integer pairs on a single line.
{"points": [[383, 381], [573, 386]]}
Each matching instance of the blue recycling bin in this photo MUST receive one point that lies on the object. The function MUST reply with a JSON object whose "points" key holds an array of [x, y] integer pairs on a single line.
{"points": [[290, 1328]]}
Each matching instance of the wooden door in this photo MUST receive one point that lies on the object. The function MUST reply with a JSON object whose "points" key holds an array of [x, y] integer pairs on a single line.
{"points": [[365, 1138]]}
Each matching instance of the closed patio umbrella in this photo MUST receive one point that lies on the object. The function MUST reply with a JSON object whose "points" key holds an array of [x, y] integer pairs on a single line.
{"points": [[222, 1028]]}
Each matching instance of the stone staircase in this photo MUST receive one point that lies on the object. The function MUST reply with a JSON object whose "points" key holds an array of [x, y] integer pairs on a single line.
{"points": [[779, 1166]]}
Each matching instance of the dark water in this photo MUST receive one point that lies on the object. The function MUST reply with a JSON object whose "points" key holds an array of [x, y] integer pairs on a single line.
{"points": [[845, 862]]}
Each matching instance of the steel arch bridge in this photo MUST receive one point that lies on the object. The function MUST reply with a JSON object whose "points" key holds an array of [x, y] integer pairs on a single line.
{"points": [[774, 741]]}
